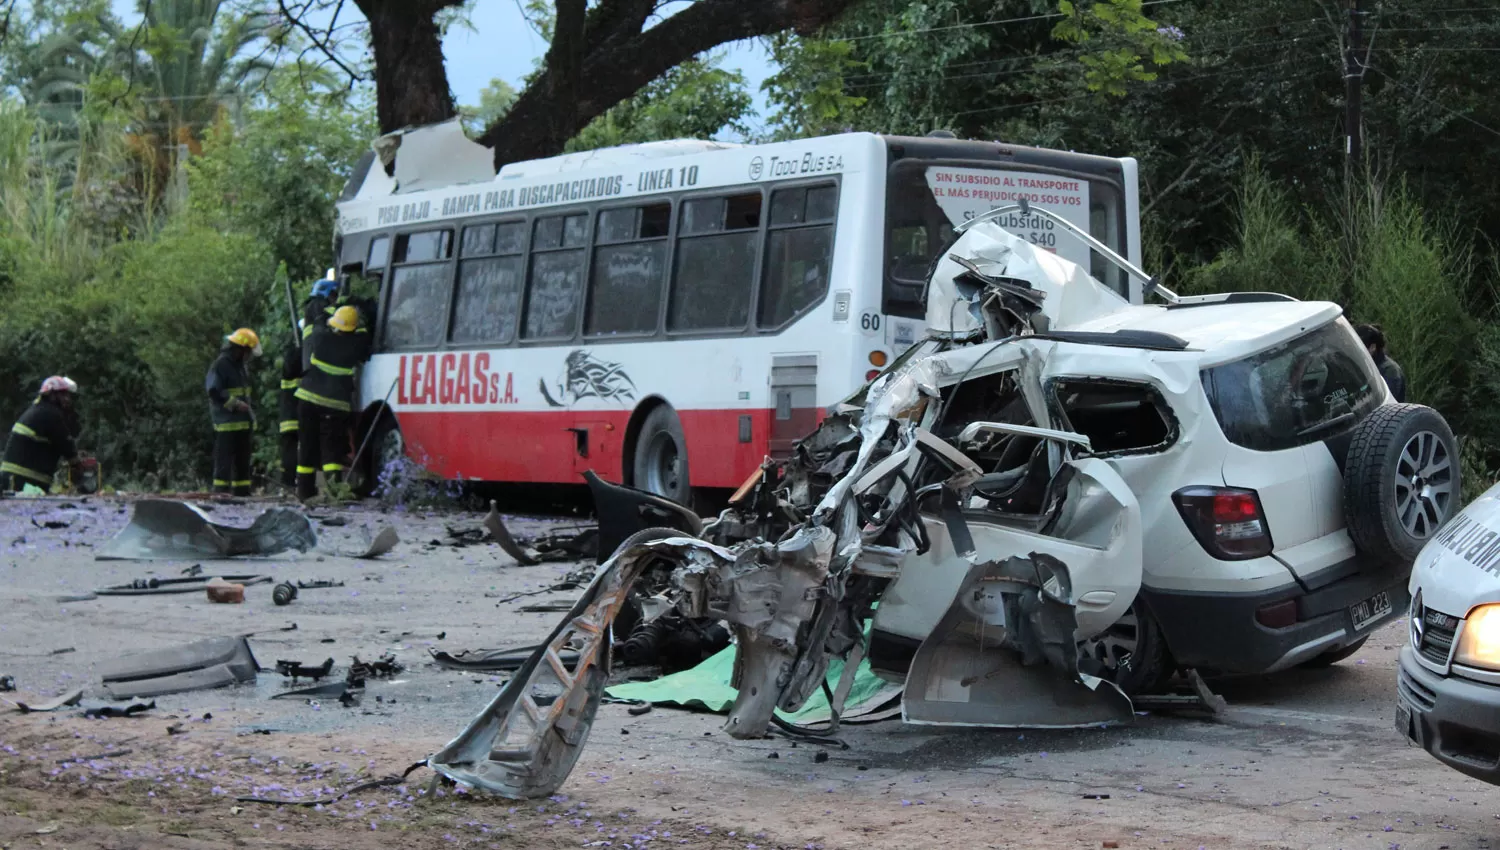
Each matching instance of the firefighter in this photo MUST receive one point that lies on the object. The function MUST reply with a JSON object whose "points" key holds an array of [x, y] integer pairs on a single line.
{"points": [[228, 386], [316, 313], [291, 379], [42, 436], [326, 397]]}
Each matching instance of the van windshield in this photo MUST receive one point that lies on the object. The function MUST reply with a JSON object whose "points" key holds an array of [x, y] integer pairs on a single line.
{"points": [[1317, 386]]}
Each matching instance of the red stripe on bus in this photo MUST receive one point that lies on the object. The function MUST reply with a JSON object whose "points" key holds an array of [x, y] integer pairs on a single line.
{"points": [[538, 446]]}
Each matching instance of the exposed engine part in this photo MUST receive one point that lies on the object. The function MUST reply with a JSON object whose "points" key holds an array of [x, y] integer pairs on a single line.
{"points": [[383, 667], [672, 642], [283, 594], [297, 670]]}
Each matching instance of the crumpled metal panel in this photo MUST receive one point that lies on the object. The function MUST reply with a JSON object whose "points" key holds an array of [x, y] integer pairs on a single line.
{"points": [[766, 593], [1006, 655], [166, 529], [203, 665], [525, 742], [1071, 296]]}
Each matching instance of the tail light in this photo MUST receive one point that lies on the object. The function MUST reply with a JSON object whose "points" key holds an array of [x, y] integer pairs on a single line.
{"points": [[1228, 522], [872, 375]]}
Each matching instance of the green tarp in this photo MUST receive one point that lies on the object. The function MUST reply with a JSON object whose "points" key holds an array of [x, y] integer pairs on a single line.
{"points": [[706, 687]]}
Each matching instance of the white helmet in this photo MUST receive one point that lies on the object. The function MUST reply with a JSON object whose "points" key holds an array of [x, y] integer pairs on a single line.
{"points": [[59, 384]]}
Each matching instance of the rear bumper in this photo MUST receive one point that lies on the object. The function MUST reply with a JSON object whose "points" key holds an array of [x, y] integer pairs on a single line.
{"points": [[1218, 631], [1454, 719]]}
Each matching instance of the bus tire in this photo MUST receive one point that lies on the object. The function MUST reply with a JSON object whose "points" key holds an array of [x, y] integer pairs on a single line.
{"points": [[661, 460], [385, 444]]}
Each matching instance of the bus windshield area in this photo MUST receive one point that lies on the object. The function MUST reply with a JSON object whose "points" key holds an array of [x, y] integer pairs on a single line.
{"points": [[927, 200]]}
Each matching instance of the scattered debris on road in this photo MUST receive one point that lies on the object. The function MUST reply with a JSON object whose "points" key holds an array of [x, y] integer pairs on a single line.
{"points": [[107, 711], [166, 529], [376, 545], [297, 670], [212, 663], [162, 586], [26, 707], [284, 593], [225, 592], [573, 544]]}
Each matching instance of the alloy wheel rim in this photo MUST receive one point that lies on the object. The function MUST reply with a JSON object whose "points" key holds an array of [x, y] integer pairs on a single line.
{"points": [[1424, 484]]}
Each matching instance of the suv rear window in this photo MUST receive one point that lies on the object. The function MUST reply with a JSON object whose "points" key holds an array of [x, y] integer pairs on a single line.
{"points": [[1316, 386]]}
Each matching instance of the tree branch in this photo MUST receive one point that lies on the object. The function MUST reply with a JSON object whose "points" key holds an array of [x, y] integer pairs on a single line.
{"points": [[618, 64], [324, 44], [1198, 158]]}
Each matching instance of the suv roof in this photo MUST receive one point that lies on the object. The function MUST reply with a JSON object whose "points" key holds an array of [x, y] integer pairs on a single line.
{"points": [[1221, 332]]}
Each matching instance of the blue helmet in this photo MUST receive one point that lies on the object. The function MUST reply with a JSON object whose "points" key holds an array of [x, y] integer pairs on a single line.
{"points": [[325, 288]]}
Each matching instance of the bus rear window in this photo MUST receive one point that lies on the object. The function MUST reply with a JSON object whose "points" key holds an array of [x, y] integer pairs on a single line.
{"points": [[1317, 386], [926, 201]]}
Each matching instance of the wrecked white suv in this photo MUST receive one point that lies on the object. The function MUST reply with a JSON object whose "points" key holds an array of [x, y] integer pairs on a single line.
{"points": [[1051, 503]]}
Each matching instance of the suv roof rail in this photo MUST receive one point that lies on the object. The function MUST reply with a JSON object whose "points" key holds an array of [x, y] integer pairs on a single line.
{"points": [[1126, 338], [1229, 298]]}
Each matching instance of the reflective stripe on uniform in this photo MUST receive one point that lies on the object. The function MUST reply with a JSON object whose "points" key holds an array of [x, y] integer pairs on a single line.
{"points": [[26, 431], [236, 392], [307, 331], [330, 368], [290, 383], [224, 427], [44, 480], [305, 470], [322, 401], [241, 483], [288, 425], [333, 467], [219, 482]]}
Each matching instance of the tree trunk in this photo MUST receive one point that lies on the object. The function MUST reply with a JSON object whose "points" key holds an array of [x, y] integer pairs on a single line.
{"points": [[411, 84], [619, 59]]}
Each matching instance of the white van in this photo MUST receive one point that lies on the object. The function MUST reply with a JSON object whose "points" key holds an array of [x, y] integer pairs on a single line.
{"points": [[1448, 690]]}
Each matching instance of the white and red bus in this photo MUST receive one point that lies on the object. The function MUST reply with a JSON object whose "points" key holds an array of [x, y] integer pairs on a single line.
{"points": [[670, 314]]}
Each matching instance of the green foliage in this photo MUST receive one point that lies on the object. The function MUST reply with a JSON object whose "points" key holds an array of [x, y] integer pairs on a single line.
{"points": [[1131, 42], [1273, 249], [495, 100], [1387, 262], [809, 89], [1409, 276], [903, 67], [277, 173], [695, 100]]}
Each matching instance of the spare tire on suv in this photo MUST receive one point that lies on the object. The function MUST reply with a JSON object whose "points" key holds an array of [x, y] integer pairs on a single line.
{"points": [[1401, 481]]}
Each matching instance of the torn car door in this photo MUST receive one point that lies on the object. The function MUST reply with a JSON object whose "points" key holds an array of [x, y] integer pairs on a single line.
{"points": [[1004, 651]]}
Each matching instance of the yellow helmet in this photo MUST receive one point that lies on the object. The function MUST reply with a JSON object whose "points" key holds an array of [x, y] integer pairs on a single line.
{"points": [[344, 319], [245, 338]]}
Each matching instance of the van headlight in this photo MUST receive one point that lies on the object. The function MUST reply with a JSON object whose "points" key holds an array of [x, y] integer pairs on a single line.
{"points": [[1479, 646]]}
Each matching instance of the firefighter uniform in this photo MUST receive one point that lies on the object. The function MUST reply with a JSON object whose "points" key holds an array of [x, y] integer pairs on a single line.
{"points": [[228, 386], [291, 379], [42, 436], [325, 399]]}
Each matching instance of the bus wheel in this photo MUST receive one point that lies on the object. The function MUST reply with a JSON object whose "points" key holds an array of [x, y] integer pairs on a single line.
{"points": [[382, 458], [661, 463]]}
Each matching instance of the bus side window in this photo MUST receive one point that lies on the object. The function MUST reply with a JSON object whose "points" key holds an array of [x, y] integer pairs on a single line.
{"points": [[555, 290], [799, 251], [629, 268], [417, 313], [717, 242], [488, 301]]}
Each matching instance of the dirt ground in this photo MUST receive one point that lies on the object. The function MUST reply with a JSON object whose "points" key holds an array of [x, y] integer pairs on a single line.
{"points": [[1308, 759]]}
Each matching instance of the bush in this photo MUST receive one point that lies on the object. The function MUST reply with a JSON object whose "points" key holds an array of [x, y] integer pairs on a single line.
{"points": [[1409, 273], [1275, 251], [135, 308]]}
